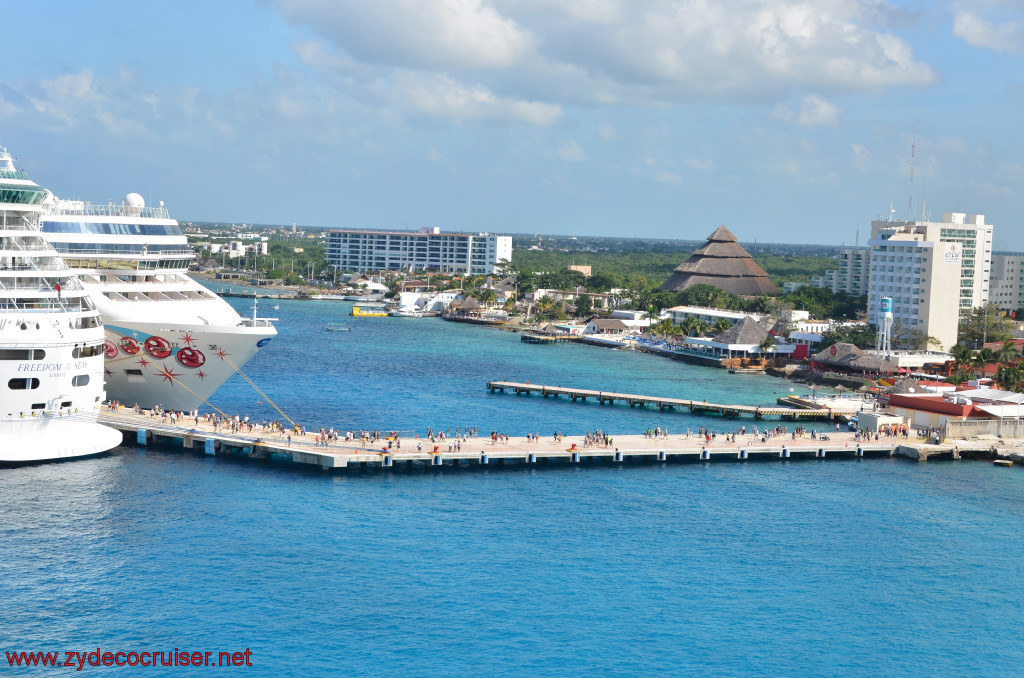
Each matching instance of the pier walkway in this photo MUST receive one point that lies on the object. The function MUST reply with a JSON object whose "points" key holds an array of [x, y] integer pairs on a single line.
{"points": [[693, 406], [149, 431]]}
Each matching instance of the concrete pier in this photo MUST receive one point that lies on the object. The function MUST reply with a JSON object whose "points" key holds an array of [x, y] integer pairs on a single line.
{"points": [[145, 430], [692, 406]]}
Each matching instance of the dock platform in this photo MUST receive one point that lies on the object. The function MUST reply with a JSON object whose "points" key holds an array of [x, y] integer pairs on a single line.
{"points": [[662, 403], [145, 430]]}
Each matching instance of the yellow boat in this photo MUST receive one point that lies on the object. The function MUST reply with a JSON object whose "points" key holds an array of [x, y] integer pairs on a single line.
{"points": [[367, 311]]}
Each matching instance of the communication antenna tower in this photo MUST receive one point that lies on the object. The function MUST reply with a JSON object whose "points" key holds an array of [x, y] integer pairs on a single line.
{"points": [[910, 200]]}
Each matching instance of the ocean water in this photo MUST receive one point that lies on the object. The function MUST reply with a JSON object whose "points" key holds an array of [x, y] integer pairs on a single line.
{"points": [[409, 374], [819, 568]]}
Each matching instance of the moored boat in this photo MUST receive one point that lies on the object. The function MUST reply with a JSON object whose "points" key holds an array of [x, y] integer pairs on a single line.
{"points": [[169, 340]]}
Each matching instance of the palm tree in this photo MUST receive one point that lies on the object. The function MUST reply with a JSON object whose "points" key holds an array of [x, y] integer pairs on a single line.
{"points": [[767, 344], [689, 325], [721, 325], [981, 358], [1008, 353], [961, 357]]}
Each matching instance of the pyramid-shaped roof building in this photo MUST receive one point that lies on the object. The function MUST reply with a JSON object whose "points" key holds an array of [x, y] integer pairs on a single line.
{"points": [[721, 262]]}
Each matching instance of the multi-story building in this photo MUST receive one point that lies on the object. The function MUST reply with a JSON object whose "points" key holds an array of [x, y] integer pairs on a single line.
{"points": [[922, 276], [426, 250], [852, 275], [973, 234], [1006, 286]]}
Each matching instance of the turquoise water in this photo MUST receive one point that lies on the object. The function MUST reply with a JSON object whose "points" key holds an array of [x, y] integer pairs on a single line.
{"points": [[412, 373], [833, 568]]}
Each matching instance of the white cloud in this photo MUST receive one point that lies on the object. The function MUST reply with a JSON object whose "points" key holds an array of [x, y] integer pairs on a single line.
{"points": [[443, 97], [1006, 36], [814, 112], [861, 154], [667, 177], [607, 133], [434, 155], [614, 52], [441, 34], [570, 151]]}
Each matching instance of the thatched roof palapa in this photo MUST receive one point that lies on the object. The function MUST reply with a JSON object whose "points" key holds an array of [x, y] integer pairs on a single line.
{"points": [[746, 331], [724, 264], [850, 357]]}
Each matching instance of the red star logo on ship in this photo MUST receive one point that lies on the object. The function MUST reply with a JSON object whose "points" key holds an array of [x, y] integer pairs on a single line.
{"points": [[201, 374], [107, 372], [166, 373], [221, 354], [143, 362], [187, 339]]}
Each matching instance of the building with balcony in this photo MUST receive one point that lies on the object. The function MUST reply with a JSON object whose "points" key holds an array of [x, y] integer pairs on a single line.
{"points": [[426, 250]]}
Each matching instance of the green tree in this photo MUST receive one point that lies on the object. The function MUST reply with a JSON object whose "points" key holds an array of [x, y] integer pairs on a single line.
{"points": [[984, 325], [1008, 353], [961, 357], [584, 305]]}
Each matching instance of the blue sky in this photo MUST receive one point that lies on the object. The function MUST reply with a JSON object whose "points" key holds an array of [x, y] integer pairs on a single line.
{"points": [[785, 121]]}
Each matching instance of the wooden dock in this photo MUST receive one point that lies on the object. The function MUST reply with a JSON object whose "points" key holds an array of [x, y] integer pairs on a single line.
{"points": [[662, 403], [148, 431], [549, 339]]}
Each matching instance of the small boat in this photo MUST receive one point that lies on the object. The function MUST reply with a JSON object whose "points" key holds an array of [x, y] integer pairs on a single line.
{"points": [[338, 327], [407, 312], [369, 311]]}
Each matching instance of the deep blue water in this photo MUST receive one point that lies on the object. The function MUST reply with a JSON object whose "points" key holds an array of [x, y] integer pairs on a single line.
{"points": [[835, 568]]}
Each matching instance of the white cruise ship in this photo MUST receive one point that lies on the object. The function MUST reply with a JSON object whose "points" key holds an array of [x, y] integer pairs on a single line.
{"points": [[169, 340], [51, 339]]}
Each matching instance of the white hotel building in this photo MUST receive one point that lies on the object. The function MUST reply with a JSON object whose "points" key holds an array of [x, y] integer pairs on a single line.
{"points": [[933, 271], [426, 250]]}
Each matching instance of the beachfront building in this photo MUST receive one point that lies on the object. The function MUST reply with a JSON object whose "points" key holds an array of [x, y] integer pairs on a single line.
{"points": [[599, 301], [677, 314], [923, 277], [743, 340], [1006, 285], [852, 275], [426, 250], [978, 404], [607, 326]]}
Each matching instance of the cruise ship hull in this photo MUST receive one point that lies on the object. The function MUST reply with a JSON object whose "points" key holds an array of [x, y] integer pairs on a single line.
{"points": [[176, 366], [54, 438]]}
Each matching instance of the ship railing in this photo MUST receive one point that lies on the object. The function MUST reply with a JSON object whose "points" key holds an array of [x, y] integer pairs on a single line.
{"points": [[87, 209], [27, 267], [16, 246], [43, 304], [160, 254], [256, 322]]}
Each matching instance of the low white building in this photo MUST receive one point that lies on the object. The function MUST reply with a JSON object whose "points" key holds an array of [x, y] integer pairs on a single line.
{"points": [[635, 320], [678, 314], [606, 326]]}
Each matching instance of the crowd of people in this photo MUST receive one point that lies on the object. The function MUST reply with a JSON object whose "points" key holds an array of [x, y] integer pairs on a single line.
{"points": [[454, 441]]}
